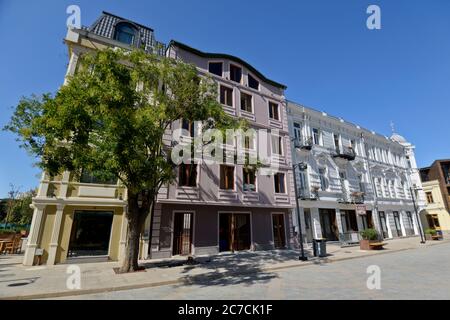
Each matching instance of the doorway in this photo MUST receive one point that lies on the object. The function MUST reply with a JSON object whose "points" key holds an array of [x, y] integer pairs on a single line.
{"points": [[234, 232], [278, 228], [182, 233], [351, 222], [90, 235], [328, 224], [398, 228], [433, 221], [367, 220], [383, 224], [308, 225]]}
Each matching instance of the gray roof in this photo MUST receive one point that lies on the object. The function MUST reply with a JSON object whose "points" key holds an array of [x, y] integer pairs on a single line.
{"points": [[104, 26]]}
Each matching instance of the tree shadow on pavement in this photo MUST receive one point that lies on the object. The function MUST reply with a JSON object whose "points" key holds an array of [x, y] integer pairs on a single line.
{"points": [[226, 269]]}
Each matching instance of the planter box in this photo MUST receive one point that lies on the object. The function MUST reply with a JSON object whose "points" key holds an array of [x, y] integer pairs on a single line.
{"points": [[433, 237], [365, 244]]}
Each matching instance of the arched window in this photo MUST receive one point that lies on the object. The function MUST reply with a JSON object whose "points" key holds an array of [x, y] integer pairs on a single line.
{"points": [[125, 33]]}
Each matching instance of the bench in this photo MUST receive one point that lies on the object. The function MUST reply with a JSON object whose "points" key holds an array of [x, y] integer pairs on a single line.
{"points": [[377, 245]]}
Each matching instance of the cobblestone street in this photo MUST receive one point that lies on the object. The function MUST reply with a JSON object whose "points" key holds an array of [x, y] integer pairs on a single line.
{"points": [[422, 273]]}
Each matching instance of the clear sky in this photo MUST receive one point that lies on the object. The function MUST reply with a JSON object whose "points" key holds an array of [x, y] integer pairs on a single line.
{"points": [[322, 50]]}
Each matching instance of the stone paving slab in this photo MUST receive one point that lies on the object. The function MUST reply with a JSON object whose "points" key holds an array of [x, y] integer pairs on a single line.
{"points": [[22, 282]]}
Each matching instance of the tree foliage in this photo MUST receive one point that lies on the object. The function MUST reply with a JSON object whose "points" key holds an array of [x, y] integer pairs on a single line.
{"points": [[110, 118]]}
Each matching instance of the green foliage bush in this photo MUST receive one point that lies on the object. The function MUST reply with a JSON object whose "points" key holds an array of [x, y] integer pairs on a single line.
{"points": [[430, 231], [369, 234]]}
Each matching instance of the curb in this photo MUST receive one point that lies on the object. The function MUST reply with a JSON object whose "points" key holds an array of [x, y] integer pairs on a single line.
{"points": [[186, 279]]}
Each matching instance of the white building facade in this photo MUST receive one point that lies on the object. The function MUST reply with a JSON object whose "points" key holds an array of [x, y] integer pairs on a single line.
{"points": [[350, 179]]}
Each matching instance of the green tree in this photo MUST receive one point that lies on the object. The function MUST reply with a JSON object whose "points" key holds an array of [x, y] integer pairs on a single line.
{"points": [[110, 118]]}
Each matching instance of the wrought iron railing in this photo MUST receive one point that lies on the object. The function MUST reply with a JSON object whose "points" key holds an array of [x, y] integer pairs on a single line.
{"points": [[303, 143], [345, 152]]}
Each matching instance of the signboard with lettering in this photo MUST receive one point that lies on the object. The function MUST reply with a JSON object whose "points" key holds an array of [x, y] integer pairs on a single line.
{"points": [[360, 209]]}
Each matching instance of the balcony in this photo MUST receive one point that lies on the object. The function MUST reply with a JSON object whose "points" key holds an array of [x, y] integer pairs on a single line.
{"points": [[357, 197], [351, 198], [346, 153], [303, 143], [305, 194]]}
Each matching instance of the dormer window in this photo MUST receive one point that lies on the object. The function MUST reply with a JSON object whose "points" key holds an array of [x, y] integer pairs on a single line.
{"points": [[215, 68], [235, 73], [125, 33], [253, 83]]}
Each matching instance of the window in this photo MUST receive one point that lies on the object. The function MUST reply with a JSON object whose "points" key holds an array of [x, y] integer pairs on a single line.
{"points": [[187, 175], [226, 177], [278, 179], [316, 136], [125, 33], [336, 140], [353, 145], [408, 162], [323, 179], [249, 143], [226, 96], [253, 83], [430, 197], [215, 68], [188, 126], [277, 145], [246, 102], [297, 131], [97, 177], [249, 178], [273, 111], [235, 73], [361, 183]]}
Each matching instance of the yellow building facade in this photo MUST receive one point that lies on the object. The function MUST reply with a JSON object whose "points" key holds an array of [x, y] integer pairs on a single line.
{"points": [[436, 215]]}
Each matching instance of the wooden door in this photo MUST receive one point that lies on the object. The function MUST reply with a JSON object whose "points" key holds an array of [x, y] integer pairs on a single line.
{"points": [[182, 233], [279, 238]]}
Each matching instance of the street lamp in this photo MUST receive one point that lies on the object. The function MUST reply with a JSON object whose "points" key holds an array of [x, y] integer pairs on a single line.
{"points": [[301, 166], [419, 225]]}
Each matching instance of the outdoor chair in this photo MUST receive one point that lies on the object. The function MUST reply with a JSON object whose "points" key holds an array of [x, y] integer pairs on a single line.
{"points": [[13, 246]]}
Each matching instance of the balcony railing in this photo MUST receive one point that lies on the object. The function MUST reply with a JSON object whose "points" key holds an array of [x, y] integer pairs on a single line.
{"points": [[305, 194], [346, 153], [353, 198], [358, 197], [303, 143]]}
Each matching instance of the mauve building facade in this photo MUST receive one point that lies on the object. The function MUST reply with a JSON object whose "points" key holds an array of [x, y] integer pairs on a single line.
{"points": [[213, 208]]}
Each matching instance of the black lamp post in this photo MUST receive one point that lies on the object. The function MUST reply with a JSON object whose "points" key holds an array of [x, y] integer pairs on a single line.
{"points": [[419, 224], [302, 251]]}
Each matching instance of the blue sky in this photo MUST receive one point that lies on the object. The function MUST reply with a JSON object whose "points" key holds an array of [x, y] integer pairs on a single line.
{"points": [[320, 49]]}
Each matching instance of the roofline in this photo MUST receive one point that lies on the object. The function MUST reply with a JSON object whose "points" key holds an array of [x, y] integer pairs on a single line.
{"points": [[127, 20], [226, 56], [439, 161], [355, 126]]}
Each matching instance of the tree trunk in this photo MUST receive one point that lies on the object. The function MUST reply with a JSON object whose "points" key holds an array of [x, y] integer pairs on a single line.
{"points": [[136, 219]]}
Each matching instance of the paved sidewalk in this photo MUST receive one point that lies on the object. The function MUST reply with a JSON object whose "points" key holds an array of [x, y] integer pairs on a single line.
{"points": [[21, 282]]}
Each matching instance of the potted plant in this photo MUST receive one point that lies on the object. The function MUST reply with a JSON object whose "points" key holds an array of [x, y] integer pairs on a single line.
{"points": [[431, 234], [368, 236]]}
